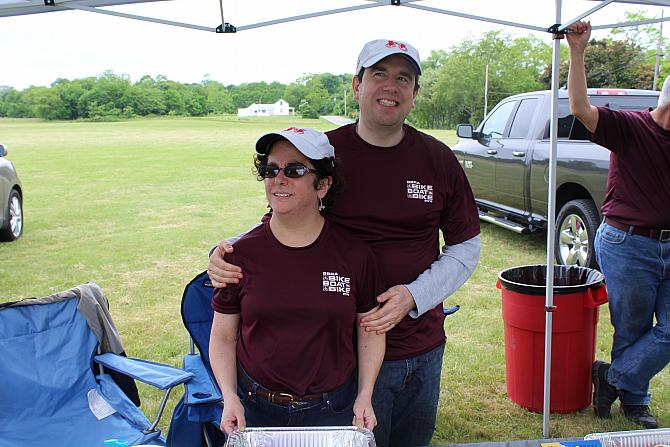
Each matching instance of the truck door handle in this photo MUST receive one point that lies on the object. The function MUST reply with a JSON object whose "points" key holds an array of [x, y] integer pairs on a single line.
{"points": [[519, 154], [492, 152]]}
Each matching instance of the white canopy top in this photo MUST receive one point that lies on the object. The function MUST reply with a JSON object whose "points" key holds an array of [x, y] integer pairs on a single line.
{"points": [[23, 7]]}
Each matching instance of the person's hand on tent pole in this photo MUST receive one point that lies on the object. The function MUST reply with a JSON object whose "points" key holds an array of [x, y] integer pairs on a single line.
{"points": [[220, 272], [578, 36], [578, 39]]}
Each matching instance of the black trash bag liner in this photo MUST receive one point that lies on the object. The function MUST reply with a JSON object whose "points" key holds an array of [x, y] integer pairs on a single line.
{"points": [[531, 279]]}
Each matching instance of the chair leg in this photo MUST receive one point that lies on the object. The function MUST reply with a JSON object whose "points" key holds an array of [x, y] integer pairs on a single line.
{"points": [[153, 426], [206, 436]]}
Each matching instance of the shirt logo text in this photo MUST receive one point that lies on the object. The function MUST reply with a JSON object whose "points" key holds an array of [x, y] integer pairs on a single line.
{"points": [[334, 282], [416, 190]]}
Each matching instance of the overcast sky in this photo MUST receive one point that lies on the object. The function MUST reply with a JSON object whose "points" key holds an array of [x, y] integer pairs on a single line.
{"points": [[37, 49]]}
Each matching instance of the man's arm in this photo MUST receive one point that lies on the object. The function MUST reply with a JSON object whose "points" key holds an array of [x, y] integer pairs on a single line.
{"points": [[444, 276], [219, 271], [578, 39], [449, 272]]}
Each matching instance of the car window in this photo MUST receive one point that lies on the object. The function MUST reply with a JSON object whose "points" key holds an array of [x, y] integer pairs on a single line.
{"points": [[495, 124], [523, 118]]}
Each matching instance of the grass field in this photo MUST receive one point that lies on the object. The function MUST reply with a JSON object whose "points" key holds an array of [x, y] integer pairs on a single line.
{"points": [[136, 205]]}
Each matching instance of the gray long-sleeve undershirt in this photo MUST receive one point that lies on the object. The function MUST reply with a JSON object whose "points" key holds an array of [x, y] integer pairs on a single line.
{"points": [[444, 276]]}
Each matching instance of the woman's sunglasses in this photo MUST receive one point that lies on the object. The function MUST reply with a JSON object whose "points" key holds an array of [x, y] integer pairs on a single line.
{"points": [[293, 171]]}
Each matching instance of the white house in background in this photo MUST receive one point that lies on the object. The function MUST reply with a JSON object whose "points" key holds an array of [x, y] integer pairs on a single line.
{"points": [[281, 107]]}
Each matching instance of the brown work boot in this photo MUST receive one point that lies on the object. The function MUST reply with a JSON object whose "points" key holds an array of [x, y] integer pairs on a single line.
{"points": [[604, 394], [639, 414]]}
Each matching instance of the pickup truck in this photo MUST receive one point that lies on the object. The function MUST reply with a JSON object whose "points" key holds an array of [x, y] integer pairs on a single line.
{"points": [[506, 160]]}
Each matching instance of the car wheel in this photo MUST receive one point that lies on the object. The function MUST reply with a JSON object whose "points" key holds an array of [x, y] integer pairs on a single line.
{"points": [[14, 228], [576, 226]]}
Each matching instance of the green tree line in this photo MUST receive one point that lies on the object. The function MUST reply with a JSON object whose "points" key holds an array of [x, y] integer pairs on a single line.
{"points": [[452, 85], [112, 96]]}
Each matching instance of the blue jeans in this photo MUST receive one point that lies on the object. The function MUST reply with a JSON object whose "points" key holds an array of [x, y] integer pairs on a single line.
{"points": [[405, 400], [333, 409], [637, 274]]}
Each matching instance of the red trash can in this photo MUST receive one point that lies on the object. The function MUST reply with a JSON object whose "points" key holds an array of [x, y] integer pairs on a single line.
{"points": [[578, 291]]}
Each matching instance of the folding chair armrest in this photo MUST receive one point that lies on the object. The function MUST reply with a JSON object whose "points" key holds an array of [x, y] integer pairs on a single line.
{"points": [[202, 388], [155, 374]]}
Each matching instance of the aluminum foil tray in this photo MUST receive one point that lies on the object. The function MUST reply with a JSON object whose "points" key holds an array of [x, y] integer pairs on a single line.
{"points": [[302, 437], [633, 438]]}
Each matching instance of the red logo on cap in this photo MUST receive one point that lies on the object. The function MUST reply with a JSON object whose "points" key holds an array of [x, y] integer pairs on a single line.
{"points": [[296, 129], [400, 45]]}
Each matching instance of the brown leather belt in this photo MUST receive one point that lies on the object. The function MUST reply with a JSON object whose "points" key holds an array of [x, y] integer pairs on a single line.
{"points": [[275, 397], [654, 233]]}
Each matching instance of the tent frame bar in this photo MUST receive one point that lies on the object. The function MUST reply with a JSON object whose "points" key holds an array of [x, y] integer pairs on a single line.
{"points": [[74, 5], [587, 13], [375, 4], [558, 28], [476, 17]]}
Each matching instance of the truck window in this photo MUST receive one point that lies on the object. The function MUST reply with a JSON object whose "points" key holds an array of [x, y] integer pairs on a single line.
{"points": [[565, 120], [625, 102], [495, 124], [571, 128], [523, 118]]}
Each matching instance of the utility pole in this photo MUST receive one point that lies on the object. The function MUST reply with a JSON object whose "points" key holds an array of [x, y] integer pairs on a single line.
{"points": [[486, 91], [345, 103], [657, 68]]}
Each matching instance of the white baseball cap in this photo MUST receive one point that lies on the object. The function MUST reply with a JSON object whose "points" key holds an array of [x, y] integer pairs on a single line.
{"points": [[664, 97], [312, 143], [376, 50]]}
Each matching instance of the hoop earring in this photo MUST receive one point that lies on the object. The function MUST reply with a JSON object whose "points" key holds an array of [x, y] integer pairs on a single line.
{"points": [[321, 207]]}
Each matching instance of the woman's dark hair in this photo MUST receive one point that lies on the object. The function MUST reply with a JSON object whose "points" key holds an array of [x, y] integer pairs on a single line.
{"points": [[325, 167]]}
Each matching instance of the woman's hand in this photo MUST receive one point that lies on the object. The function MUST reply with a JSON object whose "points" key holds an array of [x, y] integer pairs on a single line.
{"points": [[233, 415], [364, 414]]}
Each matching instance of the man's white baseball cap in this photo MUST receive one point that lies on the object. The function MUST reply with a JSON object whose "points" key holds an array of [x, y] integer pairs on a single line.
{"points": [[311, 143], [376, 50]]}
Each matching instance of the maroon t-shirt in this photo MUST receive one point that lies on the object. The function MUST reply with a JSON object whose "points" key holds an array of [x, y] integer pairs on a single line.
{"points": [[638, 182], [298, 307], [397, 200]]}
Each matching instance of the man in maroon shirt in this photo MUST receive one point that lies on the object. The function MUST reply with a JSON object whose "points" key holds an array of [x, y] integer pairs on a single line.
{"points": [[633, 242], [401, 188]]}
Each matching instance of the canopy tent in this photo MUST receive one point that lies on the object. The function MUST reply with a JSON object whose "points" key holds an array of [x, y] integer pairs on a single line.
{"points": [[555, 30]]}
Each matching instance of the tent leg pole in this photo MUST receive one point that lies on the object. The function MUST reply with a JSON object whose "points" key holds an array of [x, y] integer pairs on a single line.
{"points": [[551, 227]]}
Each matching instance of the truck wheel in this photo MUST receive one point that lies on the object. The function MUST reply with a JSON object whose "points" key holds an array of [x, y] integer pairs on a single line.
{"points": [[576, 226]]}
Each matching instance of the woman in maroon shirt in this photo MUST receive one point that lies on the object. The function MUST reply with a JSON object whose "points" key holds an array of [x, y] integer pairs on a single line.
{"points": [[282, 342]]}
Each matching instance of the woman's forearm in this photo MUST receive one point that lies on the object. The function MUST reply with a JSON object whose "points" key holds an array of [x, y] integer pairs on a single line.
{"points": [[222, 352], [371, 349]]}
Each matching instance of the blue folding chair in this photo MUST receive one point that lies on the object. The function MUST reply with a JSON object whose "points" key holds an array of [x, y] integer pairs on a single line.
{"points": [[196, 418], [59, 358]]}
